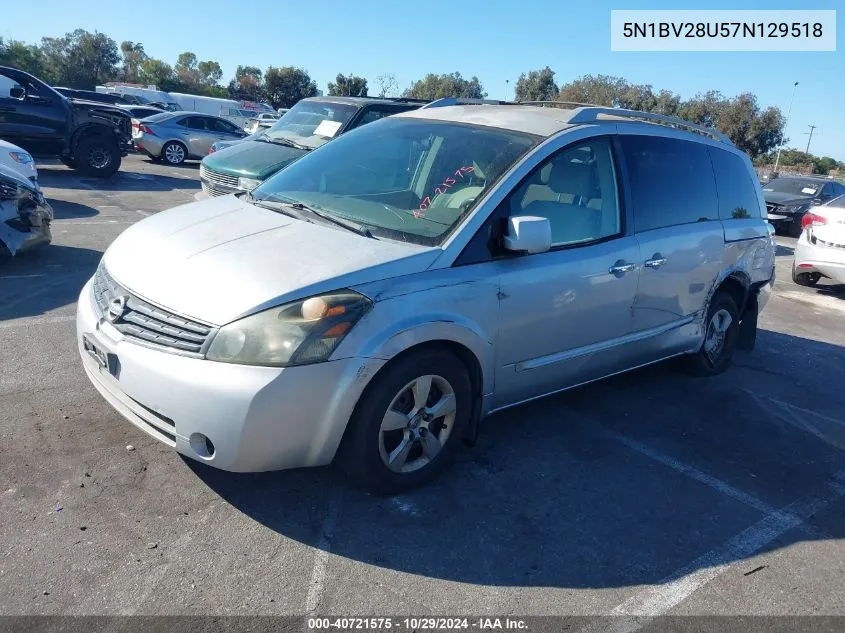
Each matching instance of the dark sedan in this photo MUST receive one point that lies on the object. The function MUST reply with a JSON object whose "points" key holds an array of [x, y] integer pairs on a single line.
{"points": [[788, 199]]}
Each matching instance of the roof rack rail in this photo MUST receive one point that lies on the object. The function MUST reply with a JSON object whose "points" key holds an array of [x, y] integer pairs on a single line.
{"points": [[591, 114], [564, 103], [451, 101]]}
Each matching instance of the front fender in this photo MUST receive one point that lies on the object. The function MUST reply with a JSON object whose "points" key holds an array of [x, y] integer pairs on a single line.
{"points": [[464, 313]]}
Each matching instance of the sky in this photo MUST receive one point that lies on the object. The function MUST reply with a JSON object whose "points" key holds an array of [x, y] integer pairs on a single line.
{"points": [[495, 40]]}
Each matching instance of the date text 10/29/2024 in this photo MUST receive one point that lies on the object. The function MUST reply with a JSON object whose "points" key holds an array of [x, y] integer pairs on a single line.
{"points": [[416, 624]]}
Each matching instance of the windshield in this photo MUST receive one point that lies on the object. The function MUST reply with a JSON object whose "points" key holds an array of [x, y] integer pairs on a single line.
{"points": [[796, 186], [311, 123], [406, 179]]}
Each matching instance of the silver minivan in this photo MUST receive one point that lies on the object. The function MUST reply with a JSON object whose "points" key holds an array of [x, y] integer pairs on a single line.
{"points": [[371, 303]]}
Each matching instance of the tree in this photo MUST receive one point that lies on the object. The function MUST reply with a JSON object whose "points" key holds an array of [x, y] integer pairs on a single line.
{"points": [[26, 57], [80, 59], [537, 85], [133, 57], [209, 73], [605, 90], [447, 85], [186, 70], [159, 74], [351, 86], [387, 85], [248, 84], [284, 86]]}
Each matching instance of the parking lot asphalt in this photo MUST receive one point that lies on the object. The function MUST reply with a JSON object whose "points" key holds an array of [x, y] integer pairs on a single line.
{"points": [[647, 493]]}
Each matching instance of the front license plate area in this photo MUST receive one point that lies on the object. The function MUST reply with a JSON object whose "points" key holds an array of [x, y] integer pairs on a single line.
{"points": [[104, 360]]}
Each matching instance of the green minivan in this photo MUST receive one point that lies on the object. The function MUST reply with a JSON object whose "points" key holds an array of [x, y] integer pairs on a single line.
{"points": [[309, 124]]}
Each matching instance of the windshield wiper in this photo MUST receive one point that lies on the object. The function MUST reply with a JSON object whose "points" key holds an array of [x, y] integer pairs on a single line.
{"points": [[288, 142], [279, 207], [353, 226]]}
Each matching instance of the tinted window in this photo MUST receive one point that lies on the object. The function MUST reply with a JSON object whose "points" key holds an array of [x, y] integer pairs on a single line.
{"points": [[576, 191], [737, 194], [671, 181], [193, 122]]}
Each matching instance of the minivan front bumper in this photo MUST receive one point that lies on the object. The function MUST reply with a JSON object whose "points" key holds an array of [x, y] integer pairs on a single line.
{"points": [[257, 418]]}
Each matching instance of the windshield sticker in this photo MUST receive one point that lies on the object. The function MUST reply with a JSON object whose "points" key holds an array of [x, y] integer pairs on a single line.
{"points": [[808, 190], [442, 188], [327, 128]]}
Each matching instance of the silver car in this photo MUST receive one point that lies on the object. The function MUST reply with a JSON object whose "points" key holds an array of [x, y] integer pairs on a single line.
{"points": [[373, 301], [175, 137]]}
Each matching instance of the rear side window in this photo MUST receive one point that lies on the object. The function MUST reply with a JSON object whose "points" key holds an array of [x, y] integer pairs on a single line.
{"points": [[737, 194], [671, 181]]}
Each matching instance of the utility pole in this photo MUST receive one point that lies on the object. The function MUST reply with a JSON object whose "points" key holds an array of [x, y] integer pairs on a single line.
{"points": [[812, 127], [788, 112]]}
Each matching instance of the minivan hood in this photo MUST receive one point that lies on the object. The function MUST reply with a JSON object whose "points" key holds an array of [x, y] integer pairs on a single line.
{"points": [[220, 259], [254, 159]]}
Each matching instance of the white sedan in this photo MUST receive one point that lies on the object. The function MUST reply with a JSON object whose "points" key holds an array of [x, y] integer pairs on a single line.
{"points": [[820, 251], [18, 160]]}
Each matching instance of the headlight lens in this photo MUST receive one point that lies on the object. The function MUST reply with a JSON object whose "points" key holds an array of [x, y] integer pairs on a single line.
{"points": [[297, 333], [21, 157], [248, 184]]}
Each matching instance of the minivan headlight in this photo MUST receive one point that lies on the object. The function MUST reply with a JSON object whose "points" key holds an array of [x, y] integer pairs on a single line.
{"points": [[297, 333], [248, 184]]}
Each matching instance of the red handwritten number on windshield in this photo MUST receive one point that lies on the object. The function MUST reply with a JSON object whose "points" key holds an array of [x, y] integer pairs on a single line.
{"points": [[443, 187]]}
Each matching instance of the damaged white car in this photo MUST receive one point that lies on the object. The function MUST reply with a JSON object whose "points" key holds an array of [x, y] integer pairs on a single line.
{"points": [[25, 215]]}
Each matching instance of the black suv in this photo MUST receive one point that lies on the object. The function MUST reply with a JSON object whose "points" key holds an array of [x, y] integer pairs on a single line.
{"points": [[90, 137]]}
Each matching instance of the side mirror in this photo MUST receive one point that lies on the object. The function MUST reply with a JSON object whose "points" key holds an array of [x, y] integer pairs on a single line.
{"points": [[528, 234], [818, 201], [17, 93]]}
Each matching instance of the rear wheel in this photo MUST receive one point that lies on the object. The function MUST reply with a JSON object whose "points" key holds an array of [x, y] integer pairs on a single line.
{"points": [[174, 153], [805, 279], [97, 156], [721, 329], [408, 423]]}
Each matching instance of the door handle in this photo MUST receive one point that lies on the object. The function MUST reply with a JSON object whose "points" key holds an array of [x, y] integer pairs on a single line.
{"points": [[620, 269], [655, 262]]}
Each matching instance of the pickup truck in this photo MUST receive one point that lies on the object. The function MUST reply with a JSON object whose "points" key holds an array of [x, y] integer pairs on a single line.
{"points": [[89, 137]]}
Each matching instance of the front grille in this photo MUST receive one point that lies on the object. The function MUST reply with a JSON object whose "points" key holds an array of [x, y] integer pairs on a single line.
{"points": [[146, 323], [773, 208], [218, 177], [214, 190]]}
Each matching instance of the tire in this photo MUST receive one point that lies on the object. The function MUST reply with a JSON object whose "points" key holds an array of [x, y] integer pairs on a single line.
{"points": [[67, 161], [715, 356], [173, 153], [805, 279], [97, 156], [429, 442]]}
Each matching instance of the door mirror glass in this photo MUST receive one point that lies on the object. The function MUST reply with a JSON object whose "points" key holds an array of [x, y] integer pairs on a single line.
{"points": [[17, 93], [819, 200], [528, 234]]}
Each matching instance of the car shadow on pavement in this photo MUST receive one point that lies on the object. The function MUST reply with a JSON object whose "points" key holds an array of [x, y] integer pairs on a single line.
{"points": [[593, 488], [66, 210], [39, 281], [123, 180], [784, 251]]}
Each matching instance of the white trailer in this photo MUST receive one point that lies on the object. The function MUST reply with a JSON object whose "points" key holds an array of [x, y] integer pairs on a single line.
{"points": [[238, 112]]}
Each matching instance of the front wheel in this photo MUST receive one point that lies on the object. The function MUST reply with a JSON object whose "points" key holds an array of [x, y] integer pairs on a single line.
{"points": [[174, 153], [97, 156], [720, 335], [408, 423]]}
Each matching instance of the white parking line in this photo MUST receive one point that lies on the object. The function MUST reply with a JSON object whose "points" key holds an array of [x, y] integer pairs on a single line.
{"points": [[317, 583], [655, 601], [694, 473]]}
